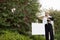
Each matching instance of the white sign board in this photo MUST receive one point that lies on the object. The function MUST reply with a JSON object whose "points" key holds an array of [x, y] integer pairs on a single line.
{"points": [[38, 29]]}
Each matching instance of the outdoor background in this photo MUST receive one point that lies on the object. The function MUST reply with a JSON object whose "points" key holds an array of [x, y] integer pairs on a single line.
{"points": [[16, 17]]}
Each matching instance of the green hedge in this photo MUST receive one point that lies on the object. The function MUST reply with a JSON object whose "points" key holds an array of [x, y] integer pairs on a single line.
{"points": [[9, 35], [38, 37]]}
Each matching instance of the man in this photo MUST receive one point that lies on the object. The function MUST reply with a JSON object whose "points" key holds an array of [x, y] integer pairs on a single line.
{"points": [[45, 18], [49, 30]]}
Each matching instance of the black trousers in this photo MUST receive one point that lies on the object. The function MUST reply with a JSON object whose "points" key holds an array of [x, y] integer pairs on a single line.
{"points": [[47, 33]]}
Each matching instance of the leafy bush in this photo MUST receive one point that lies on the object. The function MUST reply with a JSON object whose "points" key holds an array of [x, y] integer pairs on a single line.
{"points": [[38, 37], [9, 35]]}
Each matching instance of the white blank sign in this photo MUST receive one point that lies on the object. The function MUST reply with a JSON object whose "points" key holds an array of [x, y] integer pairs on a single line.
{"points": [[38, 29]]}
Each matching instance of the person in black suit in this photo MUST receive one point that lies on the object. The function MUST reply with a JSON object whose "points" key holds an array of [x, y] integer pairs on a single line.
{"points": [[49, 30]]}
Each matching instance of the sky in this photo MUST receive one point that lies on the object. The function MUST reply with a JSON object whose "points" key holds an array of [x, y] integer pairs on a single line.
{"points": [[46, 4]]}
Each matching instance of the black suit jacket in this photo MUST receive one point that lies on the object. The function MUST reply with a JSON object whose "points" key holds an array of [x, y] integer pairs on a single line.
{"points": [[48, 27]]}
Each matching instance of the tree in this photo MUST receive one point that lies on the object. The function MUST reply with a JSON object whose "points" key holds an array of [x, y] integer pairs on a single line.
{"points": [[18, 14], [56, 15]]}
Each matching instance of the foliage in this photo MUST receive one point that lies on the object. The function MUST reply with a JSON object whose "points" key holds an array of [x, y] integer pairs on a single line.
{"points": [[56, 15], [22, 15], [9, 35], [18, 19], [38, 37]]}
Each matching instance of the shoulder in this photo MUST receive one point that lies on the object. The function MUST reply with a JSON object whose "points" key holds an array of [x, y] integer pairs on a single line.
{"points": [[50, 24]]}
